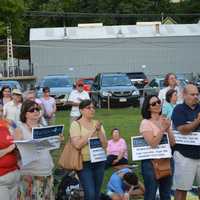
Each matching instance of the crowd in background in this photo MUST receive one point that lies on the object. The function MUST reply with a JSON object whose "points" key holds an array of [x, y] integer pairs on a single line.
{"points": [[172, 108]]}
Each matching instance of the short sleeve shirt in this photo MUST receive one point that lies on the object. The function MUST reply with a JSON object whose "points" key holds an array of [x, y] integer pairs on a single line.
{"points": [[77, 130], [76, 97], [147, 125], [162, 94], [115, 183], [115, 148], [183, 115], [167, 109], [48, 104], [12, 111]]}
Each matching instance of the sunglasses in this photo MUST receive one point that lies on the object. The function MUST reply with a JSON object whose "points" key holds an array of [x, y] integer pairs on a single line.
{"points": [[155, 102], [31, 110], [90, 107], [81, 85]]}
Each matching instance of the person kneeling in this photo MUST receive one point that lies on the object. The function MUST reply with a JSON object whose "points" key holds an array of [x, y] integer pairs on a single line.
{"points": [[123, 184]]}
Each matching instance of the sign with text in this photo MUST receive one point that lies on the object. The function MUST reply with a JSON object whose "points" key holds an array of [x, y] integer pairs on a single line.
{"points": [[142, 151], [47, 132], [189, 139], [97, 153]]}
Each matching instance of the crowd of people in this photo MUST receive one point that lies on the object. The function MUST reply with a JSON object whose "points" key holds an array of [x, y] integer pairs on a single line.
{"points": [[172, 109]]}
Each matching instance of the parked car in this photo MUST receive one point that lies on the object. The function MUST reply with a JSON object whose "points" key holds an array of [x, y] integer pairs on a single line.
{"points": [[87, 83], [197, 83], [60, 87], [115, 88], [12, 84], [139, 79], [154, 86]]}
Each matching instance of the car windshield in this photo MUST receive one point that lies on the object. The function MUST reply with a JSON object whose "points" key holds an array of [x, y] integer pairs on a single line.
{"points": [[108, 81], [12, 85], [182, 83], [88, 81], [56, 82], [136, 75]]}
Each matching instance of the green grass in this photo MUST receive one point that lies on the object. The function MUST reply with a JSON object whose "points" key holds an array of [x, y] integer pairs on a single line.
{"points": [[126, 119]]}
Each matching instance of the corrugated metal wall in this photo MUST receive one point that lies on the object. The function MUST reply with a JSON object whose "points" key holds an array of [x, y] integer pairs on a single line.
{"points": [[83, 58]]}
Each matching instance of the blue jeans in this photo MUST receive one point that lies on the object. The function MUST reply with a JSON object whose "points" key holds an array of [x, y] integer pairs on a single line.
{"points": [[91, 178], [151, 184]]}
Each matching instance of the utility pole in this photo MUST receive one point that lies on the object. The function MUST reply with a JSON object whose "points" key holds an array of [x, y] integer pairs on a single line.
{"points": [[10, 61]]}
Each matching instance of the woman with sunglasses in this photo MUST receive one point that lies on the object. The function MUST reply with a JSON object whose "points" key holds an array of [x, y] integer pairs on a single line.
{"points": [[36, 177], [153, 127], [91, 176]]}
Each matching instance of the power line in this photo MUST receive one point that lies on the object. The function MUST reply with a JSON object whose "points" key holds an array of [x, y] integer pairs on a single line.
{"points": [[121, 15]]}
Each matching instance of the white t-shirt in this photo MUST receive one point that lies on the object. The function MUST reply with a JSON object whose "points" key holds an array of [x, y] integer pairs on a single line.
{"points": [[76, 97], [162, 94], [48, 104], [12, 111]]}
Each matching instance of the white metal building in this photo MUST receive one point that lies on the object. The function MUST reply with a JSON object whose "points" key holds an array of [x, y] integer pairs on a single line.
{"points": [[85, 51]]}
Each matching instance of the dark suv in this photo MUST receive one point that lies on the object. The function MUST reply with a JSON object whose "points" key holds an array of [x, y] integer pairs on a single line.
{"points": [[114, 87], [139, 79]]}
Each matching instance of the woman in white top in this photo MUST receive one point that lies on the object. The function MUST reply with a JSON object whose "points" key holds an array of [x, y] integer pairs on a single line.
{"points": [[170, 82], [36, 177]]}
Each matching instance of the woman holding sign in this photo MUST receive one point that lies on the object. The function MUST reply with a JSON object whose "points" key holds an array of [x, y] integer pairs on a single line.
{"points": [[36, 177], [88, 135], [153, 127]]}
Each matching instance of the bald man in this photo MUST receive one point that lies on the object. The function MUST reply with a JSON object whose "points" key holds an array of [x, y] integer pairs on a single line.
{"points": [[186, 119]]}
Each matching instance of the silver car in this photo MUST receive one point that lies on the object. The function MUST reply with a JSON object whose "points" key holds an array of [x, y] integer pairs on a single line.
{"points": [[60, 87], [156, 84]]}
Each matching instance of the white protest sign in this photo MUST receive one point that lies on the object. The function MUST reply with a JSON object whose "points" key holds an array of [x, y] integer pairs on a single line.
{"points": [[189, 139], [43, 138], [142, 151], [97, 153]]}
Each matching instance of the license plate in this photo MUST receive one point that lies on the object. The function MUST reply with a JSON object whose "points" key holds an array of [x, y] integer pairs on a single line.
{"points": [[122, 100]]}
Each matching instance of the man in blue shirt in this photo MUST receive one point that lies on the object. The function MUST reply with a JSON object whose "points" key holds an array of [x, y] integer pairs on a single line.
{"points": [[186, 119], [124, 183]]}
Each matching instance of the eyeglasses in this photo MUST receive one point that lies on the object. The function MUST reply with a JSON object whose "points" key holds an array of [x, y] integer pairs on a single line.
{"points": [[31, 110], [81, 85], [46, 91], [194, 94], [90, 107], [155, 102]]}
